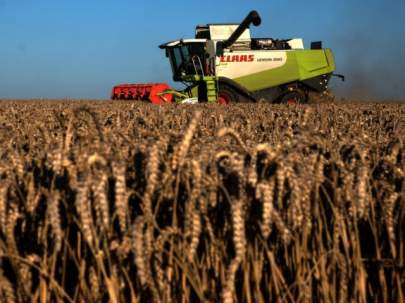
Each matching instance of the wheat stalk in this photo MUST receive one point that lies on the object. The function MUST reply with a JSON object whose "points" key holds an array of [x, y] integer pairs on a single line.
{"points": [[296, 216], [265, 192], [280, 177], [227, 131], [195, 213], [3, 205], [142, 260], [121, 196], [53, 215], [12, 216], [162, 279], [94, 283], [343, 281], [182, 150], [83, 210], [152, 181], [33, 196], [239, 241], [389, 219], [18, 163], [362, 194], [281, 226], [306, 202], [252, 172], [7, 292], [101, 199], [137, 246]]}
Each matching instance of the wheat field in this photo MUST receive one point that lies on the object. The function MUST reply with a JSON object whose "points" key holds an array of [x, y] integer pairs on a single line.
{"points": [[129, 202]]}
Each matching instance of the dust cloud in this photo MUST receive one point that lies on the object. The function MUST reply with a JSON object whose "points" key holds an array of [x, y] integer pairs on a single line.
{"points": [[369, 50]]}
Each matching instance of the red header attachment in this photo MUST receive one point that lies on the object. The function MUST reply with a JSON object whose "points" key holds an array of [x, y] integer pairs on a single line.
{"points": [[144, 92]]}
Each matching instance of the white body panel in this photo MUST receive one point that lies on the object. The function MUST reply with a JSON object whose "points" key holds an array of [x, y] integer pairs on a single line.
{"points": [[296, 43], [243, 63], [223, 32], [193, 100]]}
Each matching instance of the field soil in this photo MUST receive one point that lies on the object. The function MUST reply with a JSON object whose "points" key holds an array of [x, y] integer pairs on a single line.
{"points": [[106, 201]]}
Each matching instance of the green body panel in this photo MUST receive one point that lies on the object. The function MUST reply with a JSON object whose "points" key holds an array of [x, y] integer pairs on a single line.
{"points": [[301, 65], [211, 83], [193, 91], [212, 89]]}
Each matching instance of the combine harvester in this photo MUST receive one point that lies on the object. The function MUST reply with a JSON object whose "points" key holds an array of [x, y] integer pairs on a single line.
{"points": [[224, 64]]}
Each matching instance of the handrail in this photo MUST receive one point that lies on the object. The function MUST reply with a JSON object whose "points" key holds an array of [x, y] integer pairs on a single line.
{"points": [[195, 65]]}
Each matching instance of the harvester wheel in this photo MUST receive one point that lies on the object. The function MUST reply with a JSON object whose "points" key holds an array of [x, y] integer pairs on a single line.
{"points": [[295, 96], [227, 95]]}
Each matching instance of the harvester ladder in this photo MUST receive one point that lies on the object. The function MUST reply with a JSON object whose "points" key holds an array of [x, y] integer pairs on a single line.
{"points": [[207, 87], [197, 63], [212, 89]]}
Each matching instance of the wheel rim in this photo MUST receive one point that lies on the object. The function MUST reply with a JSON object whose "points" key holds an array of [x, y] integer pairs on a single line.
{"points": [[224, 99], [294, 98], [292, 101]]}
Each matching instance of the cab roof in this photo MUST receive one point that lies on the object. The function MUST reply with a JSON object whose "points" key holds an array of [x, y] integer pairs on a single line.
{"points": [[181, 42]]}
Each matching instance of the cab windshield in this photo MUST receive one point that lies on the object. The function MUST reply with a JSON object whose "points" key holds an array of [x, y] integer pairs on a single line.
{"points": [[186, 60]]}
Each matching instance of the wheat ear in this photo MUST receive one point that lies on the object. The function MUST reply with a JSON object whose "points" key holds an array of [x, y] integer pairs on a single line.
{"points": [[362, 194], [239, 240], [195, 214], [389, 219], [265, 192], [95, 286], [101, 200], [142, 261], [54, 219], [121, 196], [3, 205], [227, 131], [7, 292], [182, 150], [83, 210]]}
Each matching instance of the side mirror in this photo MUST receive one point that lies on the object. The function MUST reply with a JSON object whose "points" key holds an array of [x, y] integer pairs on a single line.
{"points": [[220, 48], [316, 45]]}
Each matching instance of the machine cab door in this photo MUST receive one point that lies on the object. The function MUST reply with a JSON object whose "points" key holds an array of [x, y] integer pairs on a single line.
{"points": [[187, 58]]}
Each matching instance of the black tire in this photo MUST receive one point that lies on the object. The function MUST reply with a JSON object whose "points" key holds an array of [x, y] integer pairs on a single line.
{"points": [[227, 95], [294, 96]]}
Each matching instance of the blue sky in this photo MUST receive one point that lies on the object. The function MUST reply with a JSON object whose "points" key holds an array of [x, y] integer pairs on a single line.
{"points": [[80, 49]]}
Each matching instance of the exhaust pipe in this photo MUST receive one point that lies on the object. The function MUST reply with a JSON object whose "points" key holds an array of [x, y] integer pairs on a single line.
{"points": [[252, 18]]}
